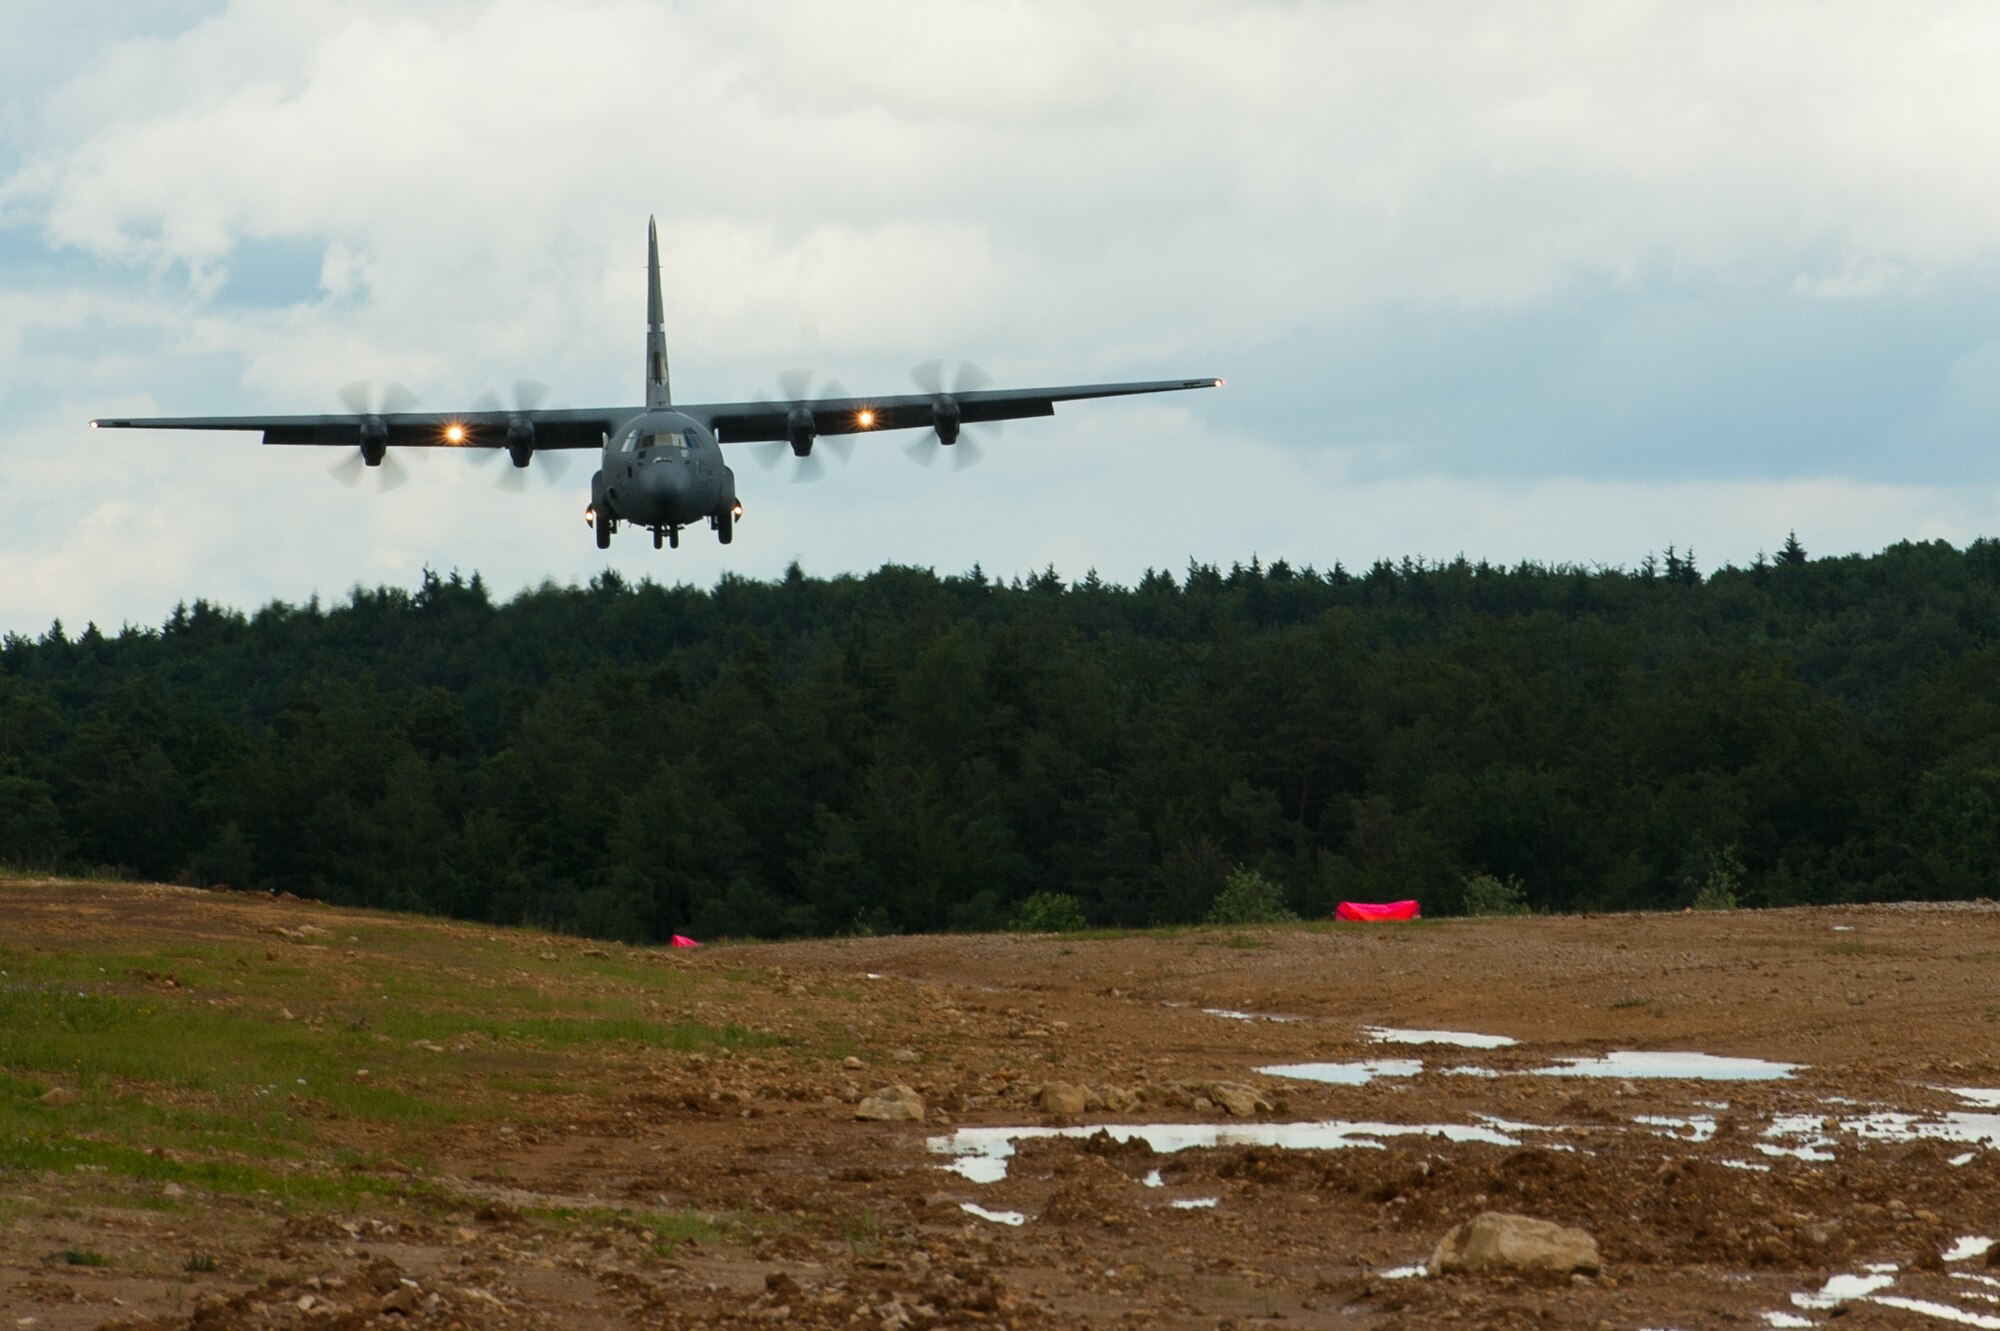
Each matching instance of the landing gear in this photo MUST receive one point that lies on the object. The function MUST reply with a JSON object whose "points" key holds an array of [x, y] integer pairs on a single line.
{"points": [[672, 533], [725, 522], [602, 522]]}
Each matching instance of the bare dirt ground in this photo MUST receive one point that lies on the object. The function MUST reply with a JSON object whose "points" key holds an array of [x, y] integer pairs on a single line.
{"points": [[721, 1189]]}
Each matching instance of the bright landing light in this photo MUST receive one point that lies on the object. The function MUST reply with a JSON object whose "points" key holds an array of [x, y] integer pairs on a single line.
{"points": [[454, 433], [865, 419]]}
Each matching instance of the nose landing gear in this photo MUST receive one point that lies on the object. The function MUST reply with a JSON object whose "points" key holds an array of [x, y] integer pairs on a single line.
{"points": [[671, 533]]}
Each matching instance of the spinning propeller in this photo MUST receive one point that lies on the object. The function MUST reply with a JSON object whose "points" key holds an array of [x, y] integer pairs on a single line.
{"points": [[802, 430], [948, 427], [520, 446], [360, 399]]}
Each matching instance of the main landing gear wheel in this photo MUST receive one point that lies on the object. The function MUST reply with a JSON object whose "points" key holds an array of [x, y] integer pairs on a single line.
{"points": [[603, 526], [725, 527]]}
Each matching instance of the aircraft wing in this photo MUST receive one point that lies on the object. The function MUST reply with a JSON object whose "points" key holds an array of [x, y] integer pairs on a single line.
{"points": [[747, 422], [578, 427]]}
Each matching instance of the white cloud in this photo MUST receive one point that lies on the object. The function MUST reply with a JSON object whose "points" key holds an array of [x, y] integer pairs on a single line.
{"points": [[1060, 191]]}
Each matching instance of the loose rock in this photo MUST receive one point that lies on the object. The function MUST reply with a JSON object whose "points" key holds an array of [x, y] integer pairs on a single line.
{"points": [[1238, 1100], [1497, 1241], [892, 1104]]}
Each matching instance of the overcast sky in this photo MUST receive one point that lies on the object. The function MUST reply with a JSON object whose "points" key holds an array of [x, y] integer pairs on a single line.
{"points": [[1565, 282]]}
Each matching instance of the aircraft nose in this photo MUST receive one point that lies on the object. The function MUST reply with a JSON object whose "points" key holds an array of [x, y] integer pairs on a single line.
{"points": [[666, 480]]}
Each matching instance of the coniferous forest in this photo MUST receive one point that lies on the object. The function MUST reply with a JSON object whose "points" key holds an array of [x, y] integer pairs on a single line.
{"points": [[904, 751]]}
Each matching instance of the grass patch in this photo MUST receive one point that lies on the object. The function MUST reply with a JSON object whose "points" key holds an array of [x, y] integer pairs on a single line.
{"points": [[1852, 948], [239, 1061], [1630, 1002], [199, 1263], [83, 1257], [863, 1232]]}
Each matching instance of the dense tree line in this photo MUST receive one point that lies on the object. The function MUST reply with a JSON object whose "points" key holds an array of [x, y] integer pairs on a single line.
{"points": [[903, 751]]}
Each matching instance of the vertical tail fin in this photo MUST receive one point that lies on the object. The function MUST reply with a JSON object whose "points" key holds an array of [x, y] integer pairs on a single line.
{"points": [[658, 393]]}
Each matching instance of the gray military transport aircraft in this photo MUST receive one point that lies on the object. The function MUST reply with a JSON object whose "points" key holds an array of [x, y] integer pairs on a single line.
{"points": [[662, 466]]}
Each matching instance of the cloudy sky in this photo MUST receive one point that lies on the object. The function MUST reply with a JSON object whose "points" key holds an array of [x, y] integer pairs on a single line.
{"points": [[1553, 281]]}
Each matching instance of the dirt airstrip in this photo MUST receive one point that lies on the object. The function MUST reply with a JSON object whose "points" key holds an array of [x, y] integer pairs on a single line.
{"points": [[633, 1183]]}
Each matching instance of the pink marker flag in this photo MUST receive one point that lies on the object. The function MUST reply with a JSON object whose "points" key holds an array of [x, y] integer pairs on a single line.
{"points": [[682, 940], [1376, 910]]}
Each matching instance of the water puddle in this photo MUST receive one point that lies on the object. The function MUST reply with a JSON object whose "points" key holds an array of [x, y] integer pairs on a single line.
{"points": [[1942, 1311], [1460, 1039], [1661, 1064], [1153, 1180], [1971, 1129], [1974, 1095], [1968, 1247], [1697, 1129], [1196, 1203], [1403, 1272], [1231, 1014], [1879, 1278], [1844, 1289], [1014, 1218], [981, 1154], [1346, 1074]]}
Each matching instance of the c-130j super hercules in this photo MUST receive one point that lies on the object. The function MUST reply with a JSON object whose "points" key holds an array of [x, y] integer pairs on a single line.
{"points": [[662, 465]]}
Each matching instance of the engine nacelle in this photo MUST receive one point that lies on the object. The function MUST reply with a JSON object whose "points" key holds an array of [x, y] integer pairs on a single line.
{"points": [[374, 440], [801, 429], [520, 440], [946, 418]]}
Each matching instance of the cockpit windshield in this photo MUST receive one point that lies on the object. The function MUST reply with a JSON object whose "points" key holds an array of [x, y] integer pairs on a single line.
{"points": [[667, 439]]}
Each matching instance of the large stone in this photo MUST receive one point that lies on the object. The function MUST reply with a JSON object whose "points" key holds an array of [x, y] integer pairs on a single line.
{"points": [[1064, 1099], [1236, 1099], [1497, 1241], [892, 1104], [58, 1096]]}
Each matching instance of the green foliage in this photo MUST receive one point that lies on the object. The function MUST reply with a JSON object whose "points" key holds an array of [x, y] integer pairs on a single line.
{"points": [[1248, 897], [1715, 895], [1714, 875], [1048, 913], [905, 751], [1483, 894]]}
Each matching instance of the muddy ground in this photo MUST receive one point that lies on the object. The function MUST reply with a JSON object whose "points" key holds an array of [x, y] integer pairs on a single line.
{"points": [[739, 1189]]}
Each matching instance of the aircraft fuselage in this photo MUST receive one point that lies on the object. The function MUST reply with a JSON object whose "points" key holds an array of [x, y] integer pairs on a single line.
{"points": [[662, 470]]}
